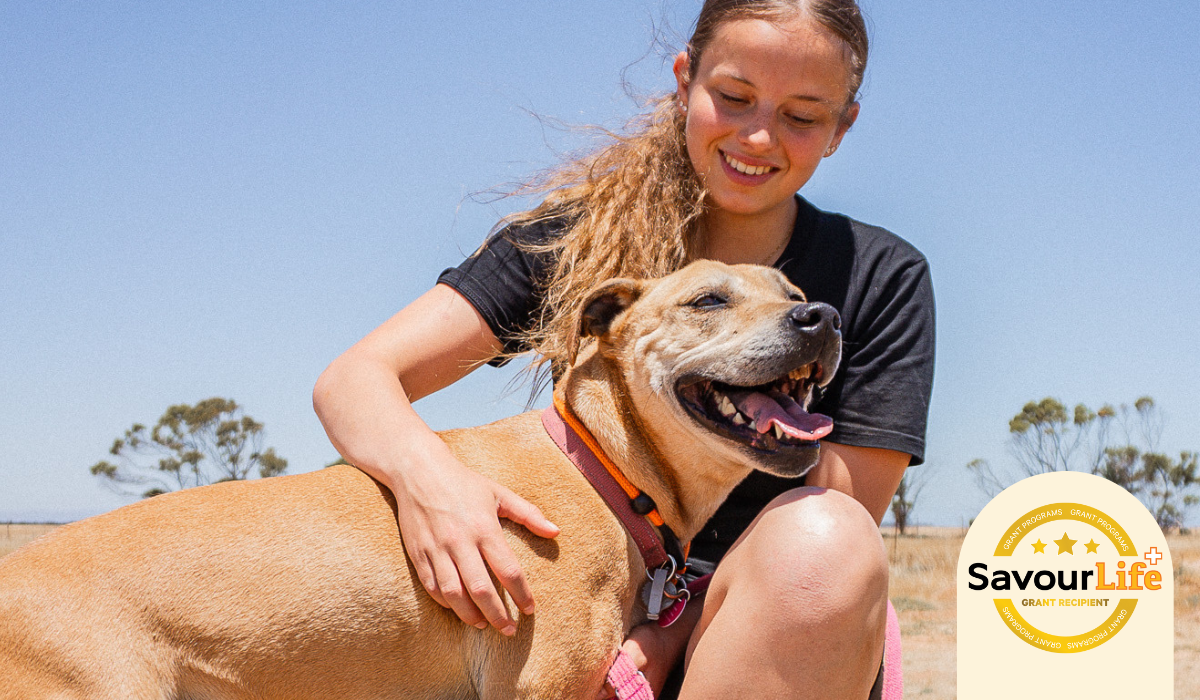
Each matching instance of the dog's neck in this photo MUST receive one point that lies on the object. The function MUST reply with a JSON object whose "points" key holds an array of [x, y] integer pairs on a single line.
{"points": [[686, 491]]}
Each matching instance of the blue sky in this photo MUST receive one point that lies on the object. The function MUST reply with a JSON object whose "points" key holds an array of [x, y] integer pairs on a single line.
{"points": [[216, 199]]}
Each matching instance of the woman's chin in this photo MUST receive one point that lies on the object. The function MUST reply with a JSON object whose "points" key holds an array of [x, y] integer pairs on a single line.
{"points": [[752, 203]]}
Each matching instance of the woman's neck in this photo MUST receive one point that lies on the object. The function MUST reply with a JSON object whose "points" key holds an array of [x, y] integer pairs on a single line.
{"points": [[746, 238]]}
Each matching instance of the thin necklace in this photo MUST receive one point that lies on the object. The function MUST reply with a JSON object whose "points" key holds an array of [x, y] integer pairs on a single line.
{"points": [[771, 259], [774, 257]]}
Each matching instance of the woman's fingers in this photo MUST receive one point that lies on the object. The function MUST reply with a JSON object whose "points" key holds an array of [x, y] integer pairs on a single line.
{"points": [[511, 506], [453, 591], [457, 577], [500, 556], [439, 574], [426, 576], [507, 568], [458, 546], [481, 593]]}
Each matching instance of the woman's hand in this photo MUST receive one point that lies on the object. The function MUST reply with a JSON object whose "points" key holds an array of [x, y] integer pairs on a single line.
{"points": [[646, 647], [655, 650], [449, 516], [650, 650], [449, 521]]}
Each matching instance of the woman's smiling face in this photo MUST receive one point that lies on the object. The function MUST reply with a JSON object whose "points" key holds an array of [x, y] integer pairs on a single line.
{"points": [[767, 102]]}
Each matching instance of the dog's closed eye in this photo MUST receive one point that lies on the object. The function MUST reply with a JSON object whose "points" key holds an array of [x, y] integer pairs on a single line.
{"points": [[708, 300]]}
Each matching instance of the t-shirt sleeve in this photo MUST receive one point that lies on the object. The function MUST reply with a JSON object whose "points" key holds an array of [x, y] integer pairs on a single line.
{"points": [[500, 280], [880, 395]]}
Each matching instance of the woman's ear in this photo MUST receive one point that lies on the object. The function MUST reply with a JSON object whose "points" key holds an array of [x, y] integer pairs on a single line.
{"points": [[682, 76], [844, 125]]}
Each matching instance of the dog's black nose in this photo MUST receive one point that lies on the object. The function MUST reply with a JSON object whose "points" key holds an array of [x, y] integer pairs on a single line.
{"points": [[813, 318]]}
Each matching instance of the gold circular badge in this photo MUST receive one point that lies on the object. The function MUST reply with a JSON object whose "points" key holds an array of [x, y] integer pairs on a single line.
{"points": [[1124, 580]]}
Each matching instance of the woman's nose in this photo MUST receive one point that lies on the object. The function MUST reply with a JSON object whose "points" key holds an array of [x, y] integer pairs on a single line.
{"points": [[758, 131]]}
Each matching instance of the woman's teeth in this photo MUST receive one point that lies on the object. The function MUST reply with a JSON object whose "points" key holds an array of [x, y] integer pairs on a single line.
{"points": [[746, 169]]}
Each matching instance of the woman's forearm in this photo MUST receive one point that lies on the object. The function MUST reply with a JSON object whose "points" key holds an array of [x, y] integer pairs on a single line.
{"points": [[364, 398], [871, 475], [370, 421]]}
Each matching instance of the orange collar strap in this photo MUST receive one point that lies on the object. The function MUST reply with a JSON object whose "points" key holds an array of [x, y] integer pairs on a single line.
{"points": [[567, 432]]}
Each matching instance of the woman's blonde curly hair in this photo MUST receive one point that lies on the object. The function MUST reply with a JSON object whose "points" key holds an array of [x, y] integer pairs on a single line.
{"points": [[632, 206]]}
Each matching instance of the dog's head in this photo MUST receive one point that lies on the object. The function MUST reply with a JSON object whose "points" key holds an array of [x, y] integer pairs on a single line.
{"points": [[720, 360]]}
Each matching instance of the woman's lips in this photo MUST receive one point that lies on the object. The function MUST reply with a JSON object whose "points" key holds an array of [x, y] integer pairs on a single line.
{"points": [[742, 172]]}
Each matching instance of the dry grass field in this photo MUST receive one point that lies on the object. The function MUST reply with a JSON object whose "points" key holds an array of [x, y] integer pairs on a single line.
{"points": [[923, 591], [13, 535]]}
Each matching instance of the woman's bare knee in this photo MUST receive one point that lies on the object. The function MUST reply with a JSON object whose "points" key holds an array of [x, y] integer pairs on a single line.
{"points": [[817, 554], [802, 598]]}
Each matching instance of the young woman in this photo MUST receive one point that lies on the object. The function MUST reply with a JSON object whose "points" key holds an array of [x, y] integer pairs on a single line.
{"points": [[765, 90]]}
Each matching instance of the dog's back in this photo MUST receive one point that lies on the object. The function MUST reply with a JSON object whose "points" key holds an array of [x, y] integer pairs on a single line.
{"points": [[199, 588]]}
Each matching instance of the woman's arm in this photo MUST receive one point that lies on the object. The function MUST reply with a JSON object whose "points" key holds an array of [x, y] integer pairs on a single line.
{"points": [[871, 475], [448, 515]]}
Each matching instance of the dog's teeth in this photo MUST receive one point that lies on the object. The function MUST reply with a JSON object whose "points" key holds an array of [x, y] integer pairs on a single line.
{"points": [[753, 425], [778, 432], [801, 373], [726, 407], [738, 419]]}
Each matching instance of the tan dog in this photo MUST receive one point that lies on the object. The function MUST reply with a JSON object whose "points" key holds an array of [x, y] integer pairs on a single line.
{"points": [[298, 587]]}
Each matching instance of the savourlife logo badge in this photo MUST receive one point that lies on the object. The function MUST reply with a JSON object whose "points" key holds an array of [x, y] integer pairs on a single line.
{"points": [[1068, 590], [1065, 580]]}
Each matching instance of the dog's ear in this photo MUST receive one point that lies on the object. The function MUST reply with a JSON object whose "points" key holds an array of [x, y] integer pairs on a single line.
{"points": [[600, 308]]}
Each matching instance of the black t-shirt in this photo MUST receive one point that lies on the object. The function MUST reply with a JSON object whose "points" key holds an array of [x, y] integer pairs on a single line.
{"points": [[877, 281]]}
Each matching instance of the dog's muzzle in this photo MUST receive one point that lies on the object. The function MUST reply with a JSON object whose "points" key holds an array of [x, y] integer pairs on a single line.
{"points": [[773, 415]]}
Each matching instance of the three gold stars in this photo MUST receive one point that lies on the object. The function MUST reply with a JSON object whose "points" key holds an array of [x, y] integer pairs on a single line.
{"points": [[1064, 545]]}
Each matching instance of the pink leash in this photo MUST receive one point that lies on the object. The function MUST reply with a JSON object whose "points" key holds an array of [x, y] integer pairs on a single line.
{"points": [[627, 680], [893, 677]]}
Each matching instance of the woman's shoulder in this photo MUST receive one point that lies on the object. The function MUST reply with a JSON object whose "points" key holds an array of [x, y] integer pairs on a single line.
{"points": [[519, 248], [859, 268], [859, 240], [533, 232]]}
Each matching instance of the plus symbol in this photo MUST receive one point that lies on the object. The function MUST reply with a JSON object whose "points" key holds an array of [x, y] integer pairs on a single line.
{"points": [[1153, 555]]}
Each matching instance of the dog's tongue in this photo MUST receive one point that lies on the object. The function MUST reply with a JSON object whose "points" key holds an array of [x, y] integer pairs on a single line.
{"points": [[777, 408]]}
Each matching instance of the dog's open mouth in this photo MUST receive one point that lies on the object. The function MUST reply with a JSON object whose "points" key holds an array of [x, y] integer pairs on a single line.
{"points": [[768, 416]]}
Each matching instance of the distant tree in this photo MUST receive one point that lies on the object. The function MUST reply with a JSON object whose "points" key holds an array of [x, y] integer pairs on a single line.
{"points": [[1168, 485], [1045, 437], [989, 480], [1132, 459], [1118, 443], [904, 503], [1122, 466], [210, 442]]}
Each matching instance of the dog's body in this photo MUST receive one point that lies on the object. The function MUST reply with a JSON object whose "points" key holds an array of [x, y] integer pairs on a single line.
{"points": [[299, 587]]}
